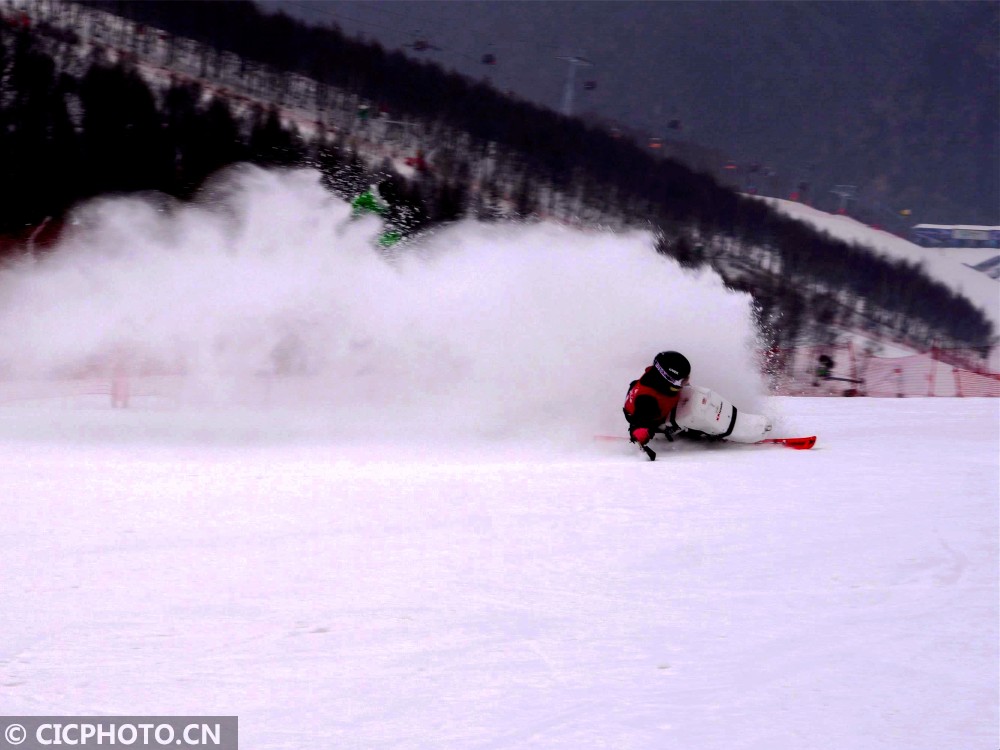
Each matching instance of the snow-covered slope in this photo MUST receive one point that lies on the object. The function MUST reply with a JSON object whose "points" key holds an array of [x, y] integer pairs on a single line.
{"points": [[387, 524], [949, 266], [379, 592]]}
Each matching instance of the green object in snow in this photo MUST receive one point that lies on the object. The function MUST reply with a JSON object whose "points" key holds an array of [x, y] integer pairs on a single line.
{"points": [[389, 238], [369, 202]]}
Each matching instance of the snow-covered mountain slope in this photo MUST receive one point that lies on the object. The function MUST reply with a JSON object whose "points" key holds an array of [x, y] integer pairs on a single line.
{"points": [[949, 266]]}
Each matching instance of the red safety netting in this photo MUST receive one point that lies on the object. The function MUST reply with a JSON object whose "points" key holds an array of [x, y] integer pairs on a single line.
{"points": [[843, 370]]}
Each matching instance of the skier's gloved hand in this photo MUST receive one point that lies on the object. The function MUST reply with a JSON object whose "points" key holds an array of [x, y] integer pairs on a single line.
{"points": [[641, 435]]}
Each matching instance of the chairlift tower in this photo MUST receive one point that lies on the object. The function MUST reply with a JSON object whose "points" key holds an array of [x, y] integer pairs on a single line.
{"points": [[575, 61]]}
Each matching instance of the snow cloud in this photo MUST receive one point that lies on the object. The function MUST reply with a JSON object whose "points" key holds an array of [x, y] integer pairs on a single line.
{"points": [[263, 291]]}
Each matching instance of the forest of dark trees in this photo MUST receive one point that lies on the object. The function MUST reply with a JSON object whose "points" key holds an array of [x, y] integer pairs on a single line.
{"points": [[67, 137]]}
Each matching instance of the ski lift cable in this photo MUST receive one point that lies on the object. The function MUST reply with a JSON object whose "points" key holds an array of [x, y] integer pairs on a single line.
{"points": [[416, 41], [314, 7], [412, 20], [437, 23], [422, 22]]}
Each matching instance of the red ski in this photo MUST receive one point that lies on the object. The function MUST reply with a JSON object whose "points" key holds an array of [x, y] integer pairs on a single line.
{"points": [[798, 443]]}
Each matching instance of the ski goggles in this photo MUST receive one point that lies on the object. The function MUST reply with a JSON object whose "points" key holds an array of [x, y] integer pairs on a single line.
{"points": [[675, 381]]}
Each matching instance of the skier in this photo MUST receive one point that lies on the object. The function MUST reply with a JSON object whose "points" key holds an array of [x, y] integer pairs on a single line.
{"points": [[661, 400], [369, 202], [824, 370], [372, 202]]}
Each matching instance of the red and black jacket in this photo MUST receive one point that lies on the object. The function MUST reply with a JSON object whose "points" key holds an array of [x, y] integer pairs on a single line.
{"points": [[650, 401]]}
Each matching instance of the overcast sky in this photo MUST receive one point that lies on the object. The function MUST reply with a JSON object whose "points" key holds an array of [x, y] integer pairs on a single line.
{"points": [[652, 61], [783, 83]]}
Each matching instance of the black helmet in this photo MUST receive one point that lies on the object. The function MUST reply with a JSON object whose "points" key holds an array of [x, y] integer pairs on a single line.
{"points": [[673, 367]]}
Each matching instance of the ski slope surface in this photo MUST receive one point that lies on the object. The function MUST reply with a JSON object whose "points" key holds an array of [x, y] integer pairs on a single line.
{"points": [[385, 594], [373, 513], [950, 266]]}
